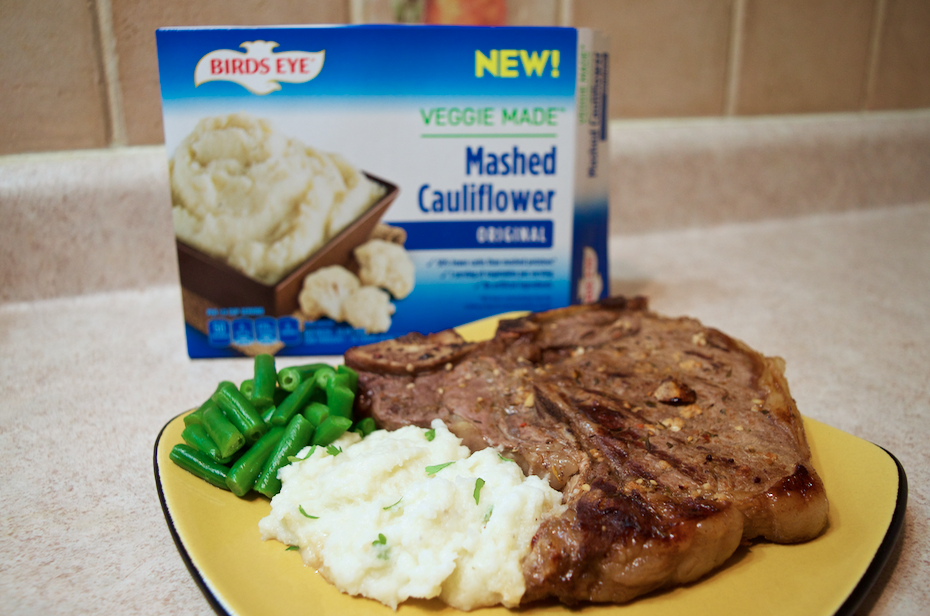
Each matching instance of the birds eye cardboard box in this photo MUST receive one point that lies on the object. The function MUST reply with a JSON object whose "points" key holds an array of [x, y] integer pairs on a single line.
{"points": [[338, 185]]}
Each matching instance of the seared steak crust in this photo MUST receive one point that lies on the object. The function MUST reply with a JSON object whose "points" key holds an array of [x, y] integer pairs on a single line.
{"points": [[671, 442]]}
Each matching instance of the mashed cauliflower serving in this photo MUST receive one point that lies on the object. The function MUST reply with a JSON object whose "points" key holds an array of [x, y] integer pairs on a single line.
{"points": [[259, 200], [410, 513]]}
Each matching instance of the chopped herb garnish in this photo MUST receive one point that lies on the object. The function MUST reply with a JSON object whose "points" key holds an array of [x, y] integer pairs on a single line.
{"points": [[650, 403], [291, 548], [503, 458], [487, 516], [305, 514], [430, 434], [333, 450], [479, 483], [397, 503], [380, 545], [432, 470], [296, 459]]}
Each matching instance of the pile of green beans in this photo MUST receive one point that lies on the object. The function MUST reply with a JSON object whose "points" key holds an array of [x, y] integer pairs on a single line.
{"points": [[240, 437]]}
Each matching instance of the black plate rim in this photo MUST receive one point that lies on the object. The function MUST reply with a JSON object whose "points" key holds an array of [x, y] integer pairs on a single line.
{"points": [[885, 549], [212, 599]]}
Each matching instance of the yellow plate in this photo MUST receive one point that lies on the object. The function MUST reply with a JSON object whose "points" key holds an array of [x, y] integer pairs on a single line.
{"points": [[217, 535]]}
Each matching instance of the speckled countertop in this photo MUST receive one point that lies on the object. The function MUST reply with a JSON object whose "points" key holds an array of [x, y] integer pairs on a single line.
{"points": [[87, 382], [716, 220]]}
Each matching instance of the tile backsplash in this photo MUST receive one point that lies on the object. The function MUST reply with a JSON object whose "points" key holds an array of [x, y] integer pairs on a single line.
{"points": [[83, 75], [800, 56], [668, 58]]}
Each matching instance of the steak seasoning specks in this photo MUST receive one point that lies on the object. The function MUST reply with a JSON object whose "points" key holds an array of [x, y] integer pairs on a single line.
{"points": [[334, 186]]}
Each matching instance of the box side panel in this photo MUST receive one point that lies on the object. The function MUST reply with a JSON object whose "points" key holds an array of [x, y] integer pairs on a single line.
{"points": [[590, 275]]}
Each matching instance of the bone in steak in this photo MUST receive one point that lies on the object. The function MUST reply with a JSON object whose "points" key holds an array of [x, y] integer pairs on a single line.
{"points": [[670, 441]]}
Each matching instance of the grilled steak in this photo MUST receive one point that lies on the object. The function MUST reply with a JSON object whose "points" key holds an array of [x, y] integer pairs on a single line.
{"points": [[670, 441]]}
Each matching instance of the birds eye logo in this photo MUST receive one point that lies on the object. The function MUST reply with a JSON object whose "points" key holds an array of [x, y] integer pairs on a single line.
{"points": [[259, 69]]}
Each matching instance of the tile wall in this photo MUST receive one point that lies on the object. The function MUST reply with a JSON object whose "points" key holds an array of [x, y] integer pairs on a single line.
{"points": [[83, 74]]}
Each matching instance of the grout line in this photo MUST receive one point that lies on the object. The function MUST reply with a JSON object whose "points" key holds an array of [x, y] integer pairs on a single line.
{"points": [[566, 11], [356, 11], [107, 44], [776, 120], [734, 58], [875, 41], [53, 156]]}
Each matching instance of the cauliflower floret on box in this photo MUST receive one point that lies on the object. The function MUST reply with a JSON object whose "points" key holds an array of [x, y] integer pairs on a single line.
{"points": [[386, 265], [368, 308], [325, 291]]}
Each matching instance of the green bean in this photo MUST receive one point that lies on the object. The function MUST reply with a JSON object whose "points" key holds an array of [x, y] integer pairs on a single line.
{"points": [[247, 388], [290, 378], [318, 395], [352, 374], [200, 465], [339, 395], [331, 429], [293, 403], [296, 436], [240, 412], [196, 436], [265, 380], [242, 475], [316, 413], [339, 399], [194, 418], [267, 413], [365, 426], [197, 416], [323, 376], [340, 379], [223, 433]]}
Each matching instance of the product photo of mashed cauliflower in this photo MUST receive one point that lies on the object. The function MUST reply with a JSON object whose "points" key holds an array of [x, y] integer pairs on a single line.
{"points": [[258, 200], [411, 514]]}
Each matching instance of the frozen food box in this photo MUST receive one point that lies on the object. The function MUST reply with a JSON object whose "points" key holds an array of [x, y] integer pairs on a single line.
{"points": [[333, 186]]}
